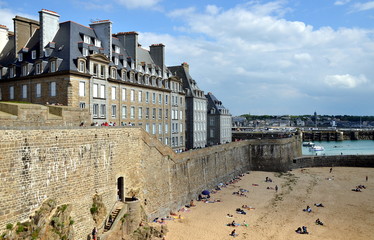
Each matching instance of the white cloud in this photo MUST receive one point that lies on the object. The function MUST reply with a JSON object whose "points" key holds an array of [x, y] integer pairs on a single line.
{"points": [[341, 2], [132, 4], [345, 81], [363, 6]]}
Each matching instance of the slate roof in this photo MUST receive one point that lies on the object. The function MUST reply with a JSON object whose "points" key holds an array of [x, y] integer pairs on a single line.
{"points": [[213, 102]]}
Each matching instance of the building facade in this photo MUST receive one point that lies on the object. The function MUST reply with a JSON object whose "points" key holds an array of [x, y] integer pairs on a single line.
{"points": [[196, 108], [121, 83], [219, 122]]}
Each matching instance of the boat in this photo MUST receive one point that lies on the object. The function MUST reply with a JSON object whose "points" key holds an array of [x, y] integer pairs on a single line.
{"points": [[308, 144], [316, 148]]}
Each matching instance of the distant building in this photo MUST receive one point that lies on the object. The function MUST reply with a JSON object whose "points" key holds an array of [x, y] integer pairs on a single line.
{"points": [[196, 108], [219, 122]]}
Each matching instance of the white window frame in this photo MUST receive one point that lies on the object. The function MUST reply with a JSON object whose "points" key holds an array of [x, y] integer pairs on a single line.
{"points": [[82, 89], [132, 95], [33, 54], [123, 94], [102, 91], [132, 112], [114, 110], [124, 112], [140, 112], [53, 66], [114, 91], [52, 88], [38, 67], [87, 39], [140, 96], [38, 90], [95, 90], [11, 92], [24, 91], [102, 110], [82, 66], [95, 110], [20, 57]]}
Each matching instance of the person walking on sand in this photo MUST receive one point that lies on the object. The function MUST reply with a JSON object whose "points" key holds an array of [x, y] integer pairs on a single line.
{"points": [[330, 170], [276, 188], [367, 178]]}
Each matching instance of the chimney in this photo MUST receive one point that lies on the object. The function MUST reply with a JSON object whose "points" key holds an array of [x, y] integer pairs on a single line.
{"points": [[3, 37], [186, 66], [157, 52], [24, 28], [49, 25], [103, 30], [130, 41]]}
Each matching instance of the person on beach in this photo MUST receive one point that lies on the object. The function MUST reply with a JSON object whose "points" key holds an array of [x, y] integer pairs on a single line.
{"points": [[367, 178], [233, 233], [330, 170], [276, 188], [318, 222], [94, 233]]}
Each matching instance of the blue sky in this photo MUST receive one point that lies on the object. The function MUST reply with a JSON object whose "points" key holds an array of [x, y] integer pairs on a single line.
{"points": [[258, 57]]}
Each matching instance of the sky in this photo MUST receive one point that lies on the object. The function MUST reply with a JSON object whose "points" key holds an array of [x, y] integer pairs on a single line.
{"points": [[259, 57]]}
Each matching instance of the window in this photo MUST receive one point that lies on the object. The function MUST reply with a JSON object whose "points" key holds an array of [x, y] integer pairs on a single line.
{"points": [[102, 91], [140, 96], [181, 100], [153, 113], [81, 66], [82, 89], [20, 57], [159, 128], [102, 110], [132, 95], [166, 99], [159, 113], [124, 112], [25, 70], [147, 127], [211, 133], [102, 71], [147, 97], [38, 68], [114, 97], [87, 39], [95, 90], [24, 91], [166, 113], [153, 98], [132, 112], [33, 54], [123, 75], [82, 105], [11, 72], [154, 128], [53, 89], [180, 115], [95, 109], [140, 112], [159, 99], [84, 52], [114, 73], [116, 61], [114, 111], [53, 66], [97, 43], [116, 49], [95, 70], [166, 141], [11, 92], [181, 128], [123, 94], [147, 113], [38, 90], [166, 128]]}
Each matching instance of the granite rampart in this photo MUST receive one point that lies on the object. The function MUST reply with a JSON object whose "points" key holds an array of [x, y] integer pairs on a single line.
{"points": [[72, 165], [333, 161]]}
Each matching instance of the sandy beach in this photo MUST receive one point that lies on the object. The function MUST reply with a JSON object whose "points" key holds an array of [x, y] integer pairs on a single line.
{"points": [[277, 214]]}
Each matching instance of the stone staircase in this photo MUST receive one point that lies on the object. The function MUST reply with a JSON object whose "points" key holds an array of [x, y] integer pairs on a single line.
{"points": [[112, 218]]}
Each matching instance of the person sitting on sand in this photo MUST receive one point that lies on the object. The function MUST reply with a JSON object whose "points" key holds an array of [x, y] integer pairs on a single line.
{"points": [[318, 222], [244, 206], [298, 230], [244, 224], [200, 197], [307, 209], [304, 230], [233, 233], [318, 205], [230, 215], [233, 223], [192, 203], [356, 190]]}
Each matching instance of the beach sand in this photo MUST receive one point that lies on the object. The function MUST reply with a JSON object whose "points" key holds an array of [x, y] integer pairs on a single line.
{"points": [[346, 214]]}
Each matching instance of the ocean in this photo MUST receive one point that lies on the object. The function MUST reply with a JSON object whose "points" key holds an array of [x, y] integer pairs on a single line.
{"points": [[349, 147]]}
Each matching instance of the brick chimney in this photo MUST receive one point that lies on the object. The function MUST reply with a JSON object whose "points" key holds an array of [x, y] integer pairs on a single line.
{"points": [[24, 28], [49, 25], [186, 66], [157, 52], [103, 30], [3, 37]]}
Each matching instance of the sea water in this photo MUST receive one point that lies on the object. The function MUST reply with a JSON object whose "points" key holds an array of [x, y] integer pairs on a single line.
{"points": [[348, 147]]}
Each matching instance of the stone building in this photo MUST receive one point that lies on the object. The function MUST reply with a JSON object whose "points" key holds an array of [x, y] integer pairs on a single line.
{"points": [[219, 122], [196, 108], [48, 62]]}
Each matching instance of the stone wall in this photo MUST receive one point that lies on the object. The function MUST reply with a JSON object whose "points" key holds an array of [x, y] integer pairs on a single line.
{"points": [[336, 160], [72, 165]]}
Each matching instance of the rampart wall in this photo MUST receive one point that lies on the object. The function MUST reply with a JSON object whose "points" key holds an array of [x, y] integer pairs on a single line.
{"points": [[335, 160], [71, 165]]}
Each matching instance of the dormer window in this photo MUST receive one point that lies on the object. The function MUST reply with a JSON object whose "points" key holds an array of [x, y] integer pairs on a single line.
{"points": [[82, 66], [33, 54], [20, 57], [38, 68], [113, 73], [124, 75], [116, 49], [85, 52], [102, 71], [25, 70], [12, 72], [87, 39], [53, 66], [97, 43]]}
